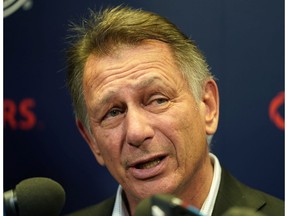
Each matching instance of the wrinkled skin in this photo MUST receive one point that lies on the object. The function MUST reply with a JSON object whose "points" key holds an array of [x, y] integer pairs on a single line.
{"points": [[146, 126]]}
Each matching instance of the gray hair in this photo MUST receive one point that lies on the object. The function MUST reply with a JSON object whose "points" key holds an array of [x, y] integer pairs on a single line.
{"points": [[106, 30]]}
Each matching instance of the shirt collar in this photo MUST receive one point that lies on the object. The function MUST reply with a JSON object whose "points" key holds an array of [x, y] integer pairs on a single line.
{"points": [[207, 207], [119, 205]]}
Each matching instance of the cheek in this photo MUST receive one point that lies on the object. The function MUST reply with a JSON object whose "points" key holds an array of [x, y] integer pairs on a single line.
{"points": [[175, 133], [178, 125], [109, 143], [186, 132]]}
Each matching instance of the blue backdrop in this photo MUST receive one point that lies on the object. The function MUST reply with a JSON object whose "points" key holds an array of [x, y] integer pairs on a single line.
{"points": [[244, 45]]}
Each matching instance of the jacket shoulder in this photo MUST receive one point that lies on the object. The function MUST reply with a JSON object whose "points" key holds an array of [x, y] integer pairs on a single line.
{"points": [[233, 193], [103, 208], [272, 206]]}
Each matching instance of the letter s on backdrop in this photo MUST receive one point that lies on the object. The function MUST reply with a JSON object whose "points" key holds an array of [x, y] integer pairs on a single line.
{"points": [[20, 116]]}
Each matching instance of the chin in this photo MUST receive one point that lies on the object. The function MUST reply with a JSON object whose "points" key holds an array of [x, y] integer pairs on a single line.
{"points": [[156, 188]]}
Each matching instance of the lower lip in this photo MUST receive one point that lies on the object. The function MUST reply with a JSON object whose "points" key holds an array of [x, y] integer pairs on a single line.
{"points": [[143, 174]]}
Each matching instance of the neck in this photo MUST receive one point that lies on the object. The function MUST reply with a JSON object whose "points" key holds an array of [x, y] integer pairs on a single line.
{"points": [[198, 189]]}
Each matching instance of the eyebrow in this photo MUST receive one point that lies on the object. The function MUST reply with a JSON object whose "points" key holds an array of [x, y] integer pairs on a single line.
{"points": [[147, 82], [139, 86], [106, 98]]}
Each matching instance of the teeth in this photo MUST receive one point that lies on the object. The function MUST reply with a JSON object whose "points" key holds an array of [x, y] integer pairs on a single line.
{"points": [[149, 164]]}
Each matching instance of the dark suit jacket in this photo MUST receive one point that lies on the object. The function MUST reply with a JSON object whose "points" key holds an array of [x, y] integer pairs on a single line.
{"points": [[231, 193]]}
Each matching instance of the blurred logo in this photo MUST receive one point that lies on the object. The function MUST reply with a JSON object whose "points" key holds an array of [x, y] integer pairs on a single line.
{"points": [[20, 116], [275, 114], [11, 6]]}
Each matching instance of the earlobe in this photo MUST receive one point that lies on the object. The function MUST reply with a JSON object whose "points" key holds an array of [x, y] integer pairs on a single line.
{"points": [[211, 101], [91, 142]]}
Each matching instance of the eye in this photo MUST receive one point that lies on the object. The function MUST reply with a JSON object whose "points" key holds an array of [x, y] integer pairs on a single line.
{"points": [[157, 100], [114, 112], [161, 100], [158, 103]]}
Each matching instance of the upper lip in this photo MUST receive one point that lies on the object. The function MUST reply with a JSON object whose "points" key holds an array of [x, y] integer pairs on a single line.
{"points": [[145, 160]]}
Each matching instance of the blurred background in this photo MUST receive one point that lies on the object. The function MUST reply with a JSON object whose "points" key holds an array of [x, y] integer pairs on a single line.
{"points": [[244, 45]]}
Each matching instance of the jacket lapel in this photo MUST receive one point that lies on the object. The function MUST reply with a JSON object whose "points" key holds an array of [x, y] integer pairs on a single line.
{"points": [[232, 193]]}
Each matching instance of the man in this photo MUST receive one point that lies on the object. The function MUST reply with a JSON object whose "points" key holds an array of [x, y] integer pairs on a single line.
{"points": [[145, 102]]}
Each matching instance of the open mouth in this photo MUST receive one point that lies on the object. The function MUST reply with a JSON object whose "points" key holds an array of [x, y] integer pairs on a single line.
{"points": [[149, 168], [149, 164]]}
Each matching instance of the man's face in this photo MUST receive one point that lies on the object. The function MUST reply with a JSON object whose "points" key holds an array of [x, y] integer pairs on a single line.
{"points": [[146, 126]]}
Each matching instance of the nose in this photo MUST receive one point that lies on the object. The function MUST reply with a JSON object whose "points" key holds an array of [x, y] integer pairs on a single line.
{"points": [[138, 127]]}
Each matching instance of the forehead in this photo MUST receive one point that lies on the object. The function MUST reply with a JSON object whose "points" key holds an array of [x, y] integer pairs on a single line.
{"points": [[120, 57], [130, 64]]}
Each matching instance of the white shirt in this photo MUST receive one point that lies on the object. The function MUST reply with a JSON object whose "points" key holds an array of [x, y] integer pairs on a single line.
{"points": [[207, 207]]}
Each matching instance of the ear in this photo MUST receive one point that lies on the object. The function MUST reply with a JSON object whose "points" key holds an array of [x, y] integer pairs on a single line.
{"points": [[91, 142], [211, 100]]}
